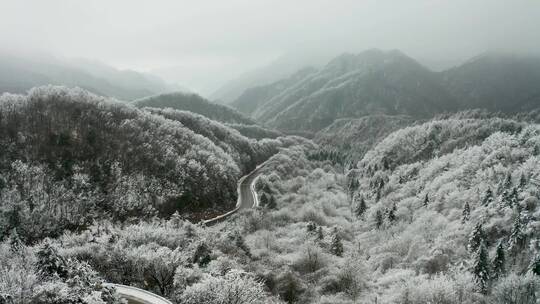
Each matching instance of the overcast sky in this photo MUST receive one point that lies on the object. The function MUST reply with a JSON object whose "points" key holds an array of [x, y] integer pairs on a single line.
{"points": [[224, 38]]}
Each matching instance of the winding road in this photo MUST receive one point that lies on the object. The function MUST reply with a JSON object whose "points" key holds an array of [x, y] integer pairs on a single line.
{"points": [[247, 198], [136, 295]]}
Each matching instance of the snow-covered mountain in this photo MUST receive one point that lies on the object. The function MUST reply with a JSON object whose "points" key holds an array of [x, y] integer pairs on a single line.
{"points": [[371, 82]]}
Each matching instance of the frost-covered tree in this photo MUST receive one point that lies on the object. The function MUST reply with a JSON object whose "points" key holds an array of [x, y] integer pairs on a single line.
{"points": [[425, 203], [201, 256], [516, 289], [290, 287], [15, 241], [320, 234], [466, 213], [234, 287], [391, 214], [379, 220], [488, 197], [507, 183], [49, 262], [518, 239], [480, 268], [311, 227], [510, 198], [498, 264], [263, 201], [360, 207], [522, 181], [336, 245], [535, 265], [271, 203], [240, 242], [353, 185], [476, 238]]}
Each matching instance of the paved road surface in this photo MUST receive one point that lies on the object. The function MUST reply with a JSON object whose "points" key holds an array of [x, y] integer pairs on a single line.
{"points": [[139, 296], [247, 197]]}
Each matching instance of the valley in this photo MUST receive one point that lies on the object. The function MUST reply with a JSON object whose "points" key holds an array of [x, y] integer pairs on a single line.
{"points": [[269, 152]]}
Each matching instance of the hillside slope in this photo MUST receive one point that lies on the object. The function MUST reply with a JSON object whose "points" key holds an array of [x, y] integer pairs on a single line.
{"points": [[432, 200], [253, 98], [372, 82], [354, 137], [68, 157], [497, 82], [196, 104], [19, 74]]}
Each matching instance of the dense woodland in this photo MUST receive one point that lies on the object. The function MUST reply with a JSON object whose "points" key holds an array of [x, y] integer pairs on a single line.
{"points": [[69, 157], [388, 209]]}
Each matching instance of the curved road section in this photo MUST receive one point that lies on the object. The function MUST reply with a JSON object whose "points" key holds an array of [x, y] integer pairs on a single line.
{"points": [[247, 197], [138, 296]]}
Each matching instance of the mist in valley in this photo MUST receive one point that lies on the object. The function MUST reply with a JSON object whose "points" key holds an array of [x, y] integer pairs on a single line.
{"points": [[264, 152]]}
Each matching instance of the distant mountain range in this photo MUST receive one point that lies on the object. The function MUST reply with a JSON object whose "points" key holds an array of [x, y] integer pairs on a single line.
{"points": [[496, 82], [282, 67], [18, 74], [391, 83]]}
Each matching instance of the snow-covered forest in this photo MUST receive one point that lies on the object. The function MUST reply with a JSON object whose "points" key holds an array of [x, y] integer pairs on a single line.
{"points": [[95, 191], [269, 152]]}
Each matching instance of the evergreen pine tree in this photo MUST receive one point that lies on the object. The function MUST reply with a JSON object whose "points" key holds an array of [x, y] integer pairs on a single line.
{"points": [[15, 242], [263, 201], [241, 243], [311, 227], [426, 201], [271, 203], [499, 262], [353, 185], [513, 198], [266, 188], [385, 163], [503, 197], [392, 213], [488, 197], [522, 181], [480, 268], [517, 239], [507, 181], [466, 214], [477, 237], [189, 231], [320, 234], [336, 246], [535, 265], [49, 262], [378, 195], [361, 207], [201, 256], [379, 219]]}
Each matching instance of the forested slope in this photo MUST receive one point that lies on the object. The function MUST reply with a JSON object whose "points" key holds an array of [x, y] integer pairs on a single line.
{"points": [[68, 157], [20, 73], [354, 137], [459, 199], [349, 86], [196, 104]]}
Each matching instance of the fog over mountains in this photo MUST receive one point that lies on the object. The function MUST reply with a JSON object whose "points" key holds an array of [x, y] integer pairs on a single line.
{"points": [[389, 82], [19, 73], [269, 152]]}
